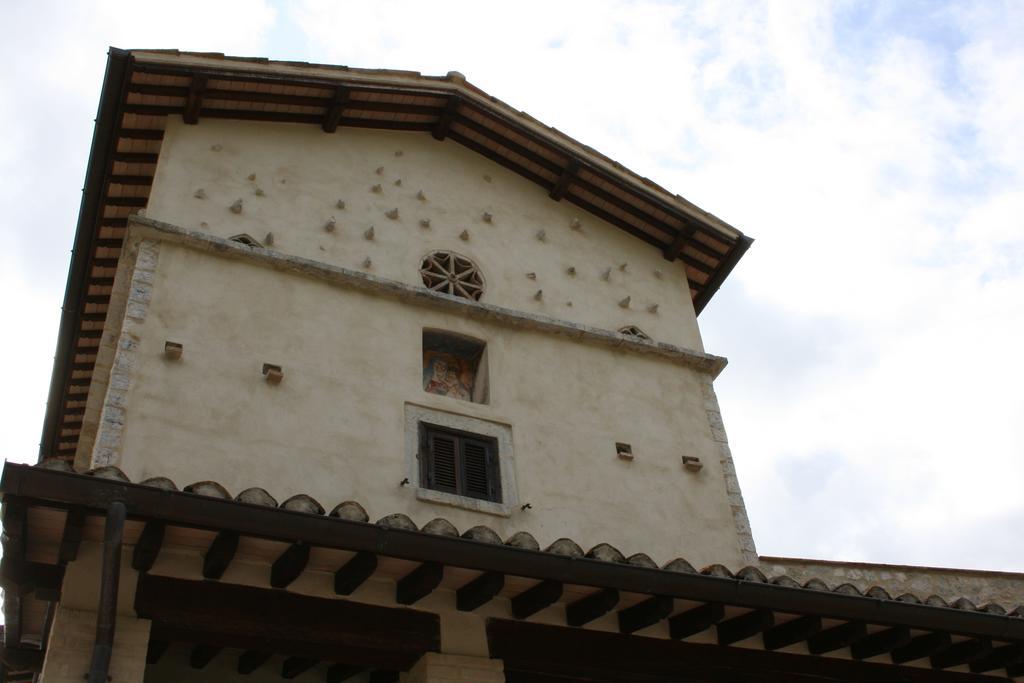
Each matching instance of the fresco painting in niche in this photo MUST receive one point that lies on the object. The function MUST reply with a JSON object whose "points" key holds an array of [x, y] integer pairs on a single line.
{"points": [[448, 375], [454, 366]]}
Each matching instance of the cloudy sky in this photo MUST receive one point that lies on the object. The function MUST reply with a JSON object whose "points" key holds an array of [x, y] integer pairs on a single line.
{"points": [[874, 150]]}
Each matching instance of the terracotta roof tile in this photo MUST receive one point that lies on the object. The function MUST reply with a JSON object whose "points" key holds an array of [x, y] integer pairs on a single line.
{"points": [[350, 510]]}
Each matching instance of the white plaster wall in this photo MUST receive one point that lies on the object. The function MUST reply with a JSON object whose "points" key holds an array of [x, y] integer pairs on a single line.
{"points": [[302, 172], [334, 427]]}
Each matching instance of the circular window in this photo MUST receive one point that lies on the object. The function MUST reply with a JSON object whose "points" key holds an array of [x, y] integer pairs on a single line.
{"points": [[445, 271]]}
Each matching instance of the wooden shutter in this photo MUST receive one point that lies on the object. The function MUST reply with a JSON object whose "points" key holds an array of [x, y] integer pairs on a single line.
{"points": [[464, 464], [442, 454], [477, 469]]}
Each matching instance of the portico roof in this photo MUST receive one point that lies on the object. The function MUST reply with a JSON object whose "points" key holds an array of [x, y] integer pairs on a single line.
{"points": [[886, 637]]}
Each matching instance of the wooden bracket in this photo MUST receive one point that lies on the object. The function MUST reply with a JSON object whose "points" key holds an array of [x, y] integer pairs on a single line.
{"points": [[444, 122], [565, 180], [194, 99], [332, 118]]}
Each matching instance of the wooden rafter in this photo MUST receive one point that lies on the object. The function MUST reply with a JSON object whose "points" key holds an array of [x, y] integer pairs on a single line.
{"points": [[444, 121], [564, 180], [194, 99], [335, 109]]}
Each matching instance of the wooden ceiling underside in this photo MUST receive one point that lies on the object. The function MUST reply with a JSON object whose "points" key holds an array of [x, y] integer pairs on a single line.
{"points": [[139, 97]]}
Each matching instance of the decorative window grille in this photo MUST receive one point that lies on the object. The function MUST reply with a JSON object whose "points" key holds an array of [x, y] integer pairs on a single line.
{"points": [[448, 272], [634, 331], [460, 463]]}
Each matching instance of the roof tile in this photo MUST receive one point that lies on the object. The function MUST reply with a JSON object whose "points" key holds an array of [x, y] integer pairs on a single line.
{"points": [[256, 496], [397, 521], [302, 502], [565, 546], [440, 527], [680, 566], [162, 483], [522, 539], [482, 534], [208, 488], [606, 553], [351, 511]]}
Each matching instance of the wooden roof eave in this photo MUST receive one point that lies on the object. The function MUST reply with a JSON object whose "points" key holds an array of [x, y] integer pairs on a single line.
{"points": [[34, 486], [101, 155], [328, 76]]}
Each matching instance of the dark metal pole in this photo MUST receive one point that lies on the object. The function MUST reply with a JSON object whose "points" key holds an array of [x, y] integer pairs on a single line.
{"points": [[106, 613]]}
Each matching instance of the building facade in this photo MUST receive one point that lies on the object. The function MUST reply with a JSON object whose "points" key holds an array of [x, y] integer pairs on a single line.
{"points": [[365, 375]]}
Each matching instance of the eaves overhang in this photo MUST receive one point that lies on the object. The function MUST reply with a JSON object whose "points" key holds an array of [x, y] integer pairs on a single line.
{"points": [[744, 596]]}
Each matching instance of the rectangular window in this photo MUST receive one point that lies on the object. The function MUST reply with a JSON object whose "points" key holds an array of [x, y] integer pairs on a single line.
{"points": [[460, 463]]}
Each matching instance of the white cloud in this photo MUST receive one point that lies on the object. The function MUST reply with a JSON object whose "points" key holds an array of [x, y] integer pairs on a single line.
{"points": [[54, 55]]}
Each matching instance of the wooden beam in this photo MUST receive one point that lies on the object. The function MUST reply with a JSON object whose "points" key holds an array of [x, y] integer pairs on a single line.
{"points": [[334, 110], [342, 672], [250, 660], [194, 99], [1002, 656], [536, 598], [744, 626], [419, 583], [294, 666], [534, 652], [791, 632], [725, 266], [22, 577], [289, 624], [140, 133], [138, 202], [880, 642], [290, 565], [552, 166], [836, 637], [479, 591], [156, 650], [147, 549], [597, 604], [1015, 670], [964, 652], [444, 122], [21, 659], [694, 621], [675, 247], [12, 619], [130, 179], [219, 555], [354, 573], [565, 180], [644, 614], [921, 646], [71, 539], [202, 655], [15, 524], [384, 676], [130, 158]]}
